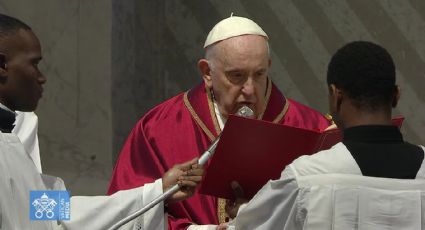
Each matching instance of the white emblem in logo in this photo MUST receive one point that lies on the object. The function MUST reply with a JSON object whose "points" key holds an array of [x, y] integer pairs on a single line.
{"points": [[44, 204]]}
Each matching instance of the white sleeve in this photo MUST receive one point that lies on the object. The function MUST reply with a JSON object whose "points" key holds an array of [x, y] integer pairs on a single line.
{"points": [[101, 212], [274, 205]]}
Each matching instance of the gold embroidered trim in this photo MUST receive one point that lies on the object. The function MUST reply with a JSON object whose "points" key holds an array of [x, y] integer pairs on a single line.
{"points": [[221, 203], [221, 210], [196, 117], [212, 111], [268, 93], [328, 116], [283, 112]]}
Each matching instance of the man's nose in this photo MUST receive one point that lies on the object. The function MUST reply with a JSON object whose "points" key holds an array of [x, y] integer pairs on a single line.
{"points": [[42, 78], [248, 88]]}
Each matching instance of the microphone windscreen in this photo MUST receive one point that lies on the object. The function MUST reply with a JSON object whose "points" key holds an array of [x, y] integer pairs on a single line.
{"points": [[245, 111]]}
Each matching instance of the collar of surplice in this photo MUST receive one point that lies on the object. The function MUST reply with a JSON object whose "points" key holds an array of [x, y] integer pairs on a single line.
{"points": [[199, 102]]}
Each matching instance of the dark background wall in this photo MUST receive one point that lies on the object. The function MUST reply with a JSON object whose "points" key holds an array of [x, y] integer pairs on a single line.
{"points": [[110, 61], [160, 43], [75, 124]]}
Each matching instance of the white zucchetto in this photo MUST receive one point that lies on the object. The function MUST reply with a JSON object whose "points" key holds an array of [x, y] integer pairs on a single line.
{"points": [[231, 27]]}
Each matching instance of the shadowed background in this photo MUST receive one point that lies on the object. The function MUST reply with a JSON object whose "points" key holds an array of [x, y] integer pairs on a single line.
{"points": [[110, 61]]}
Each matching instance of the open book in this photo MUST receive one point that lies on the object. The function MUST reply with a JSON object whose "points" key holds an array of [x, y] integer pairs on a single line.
{"points": [[252, 152]]}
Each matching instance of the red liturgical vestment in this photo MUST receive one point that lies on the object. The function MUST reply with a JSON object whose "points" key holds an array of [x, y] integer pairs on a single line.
{"points": [[182, 128]]}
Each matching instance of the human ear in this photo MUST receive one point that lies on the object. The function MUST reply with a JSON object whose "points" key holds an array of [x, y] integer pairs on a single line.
{"points": [[204, 67], [335, 98], [396, 96], [3, 65], [339, 98]]}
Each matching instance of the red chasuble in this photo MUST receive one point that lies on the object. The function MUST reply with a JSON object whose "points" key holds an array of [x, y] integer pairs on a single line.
{"points": [[182, 128]]}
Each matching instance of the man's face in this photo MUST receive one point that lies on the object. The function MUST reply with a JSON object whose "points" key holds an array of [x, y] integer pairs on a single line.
{"points": [[21, 79], [238, 73]]}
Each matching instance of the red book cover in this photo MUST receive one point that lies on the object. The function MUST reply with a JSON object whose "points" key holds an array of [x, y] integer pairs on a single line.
{"points": [[252, 152]]}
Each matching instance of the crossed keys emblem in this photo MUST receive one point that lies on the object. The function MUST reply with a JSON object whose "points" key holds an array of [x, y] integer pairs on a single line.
{"points": [[44, 204]]}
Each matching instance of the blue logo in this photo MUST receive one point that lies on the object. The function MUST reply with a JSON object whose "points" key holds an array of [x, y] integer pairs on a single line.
{"points": [[50, 205]]}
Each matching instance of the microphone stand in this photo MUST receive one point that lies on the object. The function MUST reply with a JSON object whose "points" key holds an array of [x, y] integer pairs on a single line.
{"points": [[244, 111]]}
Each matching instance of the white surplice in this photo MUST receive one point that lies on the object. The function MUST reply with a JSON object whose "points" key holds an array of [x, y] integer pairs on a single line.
{"points": [[19, 175], [327, 191], [26, 128]]}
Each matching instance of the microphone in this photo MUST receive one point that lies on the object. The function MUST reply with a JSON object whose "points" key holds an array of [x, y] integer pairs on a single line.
{"points": [[244, 111]]}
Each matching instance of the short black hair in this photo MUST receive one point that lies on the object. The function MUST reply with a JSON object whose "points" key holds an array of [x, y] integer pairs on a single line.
{"points": [[10, 25], [366, 72]]}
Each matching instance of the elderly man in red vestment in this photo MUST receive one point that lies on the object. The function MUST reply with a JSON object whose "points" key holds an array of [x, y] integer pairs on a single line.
{"points": [[235, 73]]}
